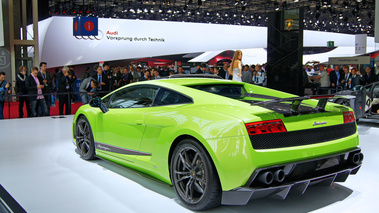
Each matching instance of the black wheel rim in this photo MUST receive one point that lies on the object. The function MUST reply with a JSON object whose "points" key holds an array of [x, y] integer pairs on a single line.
{"points": [[189, 175], [83, 137]]}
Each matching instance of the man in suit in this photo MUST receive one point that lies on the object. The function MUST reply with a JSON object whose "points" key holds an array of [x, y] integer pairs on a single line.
{"points": [[108, 73], [335, 78], [34, 84], [346, 81], [102, 78], [64, 86], [46, 80], [202, 68], [222, 71], [370, 75], [356, 78]]}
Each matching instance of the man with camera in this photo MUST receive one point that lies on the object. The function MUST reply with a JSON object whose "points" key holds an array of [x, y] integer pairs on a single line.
{"points": [[4, 89], [64, 86]]}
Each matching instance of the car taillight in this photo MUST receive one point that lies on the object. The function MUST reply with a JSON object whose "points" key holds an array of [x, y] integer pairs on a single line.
{"points": [[265, 127], [348, 117]]}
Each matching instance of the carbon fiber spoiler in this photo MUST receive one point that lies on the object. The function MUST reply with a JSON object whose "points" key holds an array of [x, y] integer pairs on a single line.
{"points": [[296, 101]]}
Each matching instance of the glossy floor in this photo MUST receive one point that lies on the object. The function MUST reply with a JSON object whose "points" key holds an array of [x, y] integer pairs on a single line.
{"points": [[40, 169]]}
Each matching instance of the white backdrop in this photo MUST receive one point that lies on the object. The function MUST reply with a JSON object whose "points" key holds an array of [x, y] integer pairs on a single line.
{"points": [[128, 39]]}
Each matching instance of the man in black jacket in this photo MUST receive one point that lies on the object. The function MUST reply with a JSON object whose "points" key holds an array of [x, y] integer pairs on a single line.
{"points": [[64, 86], [108, 73], [103, 81], [222, 71], [370, 75], [335, 77], [34, 85], [20, 82], [202, 69], [46, 79]]}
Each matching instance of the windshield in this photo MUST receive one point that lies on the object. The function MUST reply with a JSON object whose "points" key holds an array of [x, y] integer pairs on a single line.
{"points": [[235, 91]]}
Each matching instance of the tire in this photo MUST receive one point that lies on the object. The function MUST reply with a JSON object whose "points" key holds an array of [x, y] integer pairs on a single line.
{"points": [[84, 139], [194, 176]]}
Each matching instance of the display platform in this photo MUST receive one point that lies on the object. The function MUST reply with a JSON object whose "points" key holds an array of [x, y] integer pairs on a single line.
{"points": [[41, 171]]}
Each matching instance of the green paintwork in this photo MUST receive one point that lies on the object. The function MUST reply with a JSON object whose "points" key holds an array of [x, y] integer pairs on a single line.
{"points": [[217, 122]]}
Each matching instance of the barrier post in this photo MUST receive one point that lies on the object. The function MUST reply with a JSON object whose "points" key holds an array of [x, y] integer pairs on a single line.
{"points": [[69, 101], [9, 107]]}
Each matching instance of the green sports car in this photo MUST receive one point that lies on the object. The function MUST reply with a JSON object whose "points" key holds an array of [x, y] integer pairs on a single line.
{"points": [[219, 141]]}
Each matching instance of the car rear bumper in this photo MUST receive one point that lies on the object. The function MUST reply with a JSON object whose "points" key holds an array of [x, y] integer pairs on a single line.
{"points": [[298, 177]]}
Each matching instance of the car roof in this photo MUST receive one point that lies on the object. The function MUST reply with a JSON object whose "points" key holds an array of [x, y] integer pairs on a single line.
{"points": [[190, 81]]}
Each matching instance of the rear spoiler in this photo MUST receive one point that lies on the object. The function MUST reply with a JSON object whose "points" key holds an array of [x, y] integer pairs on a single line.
{"points": [[296, 101]]}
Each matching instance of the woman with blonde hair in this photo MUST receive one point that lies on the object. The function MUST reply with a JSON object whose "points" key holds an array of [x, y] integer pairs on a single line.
{"points": [[235, 68]]}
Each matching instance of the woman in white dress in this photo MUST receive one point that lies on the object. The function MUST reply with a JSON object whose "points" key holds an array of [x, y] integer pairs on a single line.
{"points": [[235, 68]]}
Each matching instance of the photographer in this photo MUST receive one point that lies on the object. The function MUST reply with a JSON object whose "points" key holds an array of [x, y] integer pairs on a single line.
{"points": [[4, 89], [87, 89]]}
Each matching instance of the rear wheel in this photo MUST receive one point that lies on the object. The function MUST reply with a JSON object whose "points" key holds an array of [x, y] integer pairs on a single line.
{"points": [[84, 139], [194, 177]]}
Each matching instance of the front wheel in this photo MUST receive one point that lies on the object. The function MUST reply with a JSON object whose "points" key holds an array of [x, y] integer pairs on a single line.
{"points": [[194, 176], [84, 139]]}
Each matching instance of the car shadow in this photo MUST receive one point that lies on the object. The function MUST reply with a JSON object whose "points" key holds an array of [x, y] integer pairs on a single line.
{"points": [[316, 197]]}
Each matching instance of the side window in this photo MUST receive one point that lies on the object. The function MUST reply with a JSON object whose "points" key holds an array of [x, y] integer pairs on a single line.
{"points": [[133, 97], [169, 97], [105, 100]]}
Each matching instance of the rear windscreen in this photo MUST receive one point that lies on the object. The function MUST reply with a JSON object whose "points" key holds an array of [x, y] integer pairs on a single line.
{"points": [[235, 91]]}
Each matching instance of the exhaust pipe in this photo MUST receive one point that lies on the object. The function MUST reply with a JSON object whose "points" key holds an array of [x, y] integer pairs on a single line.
{"points": [[355, 158], [266, 177], [279, 175], [361, 156]]}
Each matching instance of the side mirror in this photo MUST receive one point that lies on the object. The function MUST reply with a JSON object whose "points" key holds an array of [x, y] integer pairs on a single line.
{"points": [[96, 102]]}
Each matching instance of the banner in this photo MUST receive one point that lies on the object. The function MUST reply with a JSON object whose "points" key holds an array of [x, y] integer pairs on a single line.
{"points": [[360, 43], [349, 60]]}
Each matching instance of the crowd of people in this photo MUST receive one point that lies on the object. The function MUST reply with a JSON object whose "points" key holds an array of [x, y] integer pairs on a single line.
{"points": [[38, 91], [338, 78]]}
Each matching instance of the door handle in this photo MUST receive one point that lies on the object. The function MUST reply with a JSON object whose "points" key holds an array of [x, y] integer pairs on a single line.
{"points": [[139, 122]]}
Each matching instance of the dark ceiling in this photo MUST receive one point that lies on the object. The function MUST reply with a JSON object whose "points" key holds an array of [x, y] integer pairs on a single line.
{"points": [[345, 16]]}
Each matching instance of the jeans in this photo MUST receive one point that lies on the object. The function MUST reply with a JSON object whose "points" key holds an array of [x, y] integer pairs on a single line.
{"points": [[48, 104], [85, 98], [1, 109], [40, 103]]}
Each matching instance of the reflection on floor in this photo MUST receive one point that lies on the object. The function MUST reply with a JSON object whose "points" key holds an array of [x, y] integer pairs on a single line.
{"points": [[40, 169]]}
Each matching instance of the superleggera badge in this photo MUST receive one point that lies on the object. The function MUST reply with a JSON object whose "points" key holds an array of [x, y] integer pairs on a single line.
{"points": [[319, 123]]}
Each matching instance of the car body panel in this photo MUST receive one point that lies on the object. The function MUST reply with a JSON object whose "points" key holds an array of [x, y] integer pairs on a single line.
{"points": [[217, 122]]}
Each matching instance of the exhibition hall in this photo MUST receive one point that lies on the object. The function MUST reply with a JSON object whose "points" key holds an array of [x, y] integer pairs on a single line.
{"points": [[189, 106]]}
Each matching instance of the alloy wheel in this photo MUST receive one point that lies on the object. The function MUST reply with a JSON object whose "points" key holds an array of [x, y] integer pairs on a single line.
{"points": [[190, 175]]}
